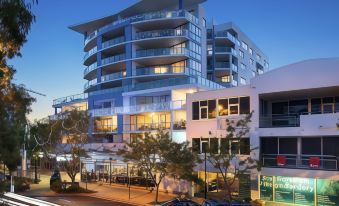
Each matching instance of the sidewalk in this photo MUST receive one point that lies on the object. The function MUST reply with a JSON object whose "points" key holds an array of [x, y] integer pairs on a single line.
{"points": [[139, 196]]}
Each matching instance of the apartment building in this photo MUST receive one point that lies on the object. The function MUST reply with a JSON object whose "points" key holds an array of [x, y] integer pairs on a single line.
{"points": [[140, 64], [294, 130]]}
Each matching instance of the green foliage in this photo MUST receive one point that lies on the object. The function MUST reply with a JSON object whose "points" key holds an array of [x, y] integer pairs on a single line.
{"points": [[60, 187], [21, 184], [158, 155]]}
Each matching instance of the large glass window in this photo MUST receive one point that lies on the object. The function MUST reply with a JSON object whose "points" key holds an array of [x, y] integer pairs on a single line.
{"points": [[234, 106], [280, 108], [316, 105], [288, 146], [195, 111], [203, 109], [331, 145], [328, 105], [336, 104], [223, 107], [311, 146], [212, 109], [245, 146], [244, 105], [298, 106], [269, 145], [224, 145], [196, 145], [214, 145]]}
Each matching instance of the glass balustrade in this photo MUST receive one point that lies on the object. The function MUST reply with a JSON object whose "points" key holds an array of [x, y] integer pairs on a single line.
{"points": [[112, 59], [160, 70], [90, 68], [161, 52], [113, 76], [90, 83], [76, 97], [160, 33], [113, 42], [90, 52]]}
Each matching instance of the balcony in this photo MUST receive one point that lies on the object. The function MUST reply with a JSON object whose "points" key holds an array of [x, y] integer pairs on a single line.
{"points": [[225, 36], [90, 68], [177, 54], [155, 107], [90, 53], [225, 50], [160, 33], [91, 36], [113, 59], [113, 42], [105, 129], [70, 99], [146, 127], [225, 65], [312, 162], [105, 147], [274, 120], [161, 70], [179, 125], [90, 83], [113, 76]]}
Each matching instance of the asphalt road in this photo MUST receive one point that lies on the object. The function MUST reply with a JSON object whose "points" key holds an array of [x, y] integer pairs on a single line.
{"points": [[80, 200]]}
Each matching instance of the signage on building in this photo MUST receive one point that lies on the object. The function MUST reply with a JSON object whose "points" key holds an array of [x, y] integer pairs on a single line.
{"points": [[301, 191]]}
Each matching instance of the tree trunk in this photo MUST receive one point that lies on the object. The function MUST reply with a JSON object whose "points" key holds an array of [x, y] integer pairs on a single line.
{"points": [[156, 193]]}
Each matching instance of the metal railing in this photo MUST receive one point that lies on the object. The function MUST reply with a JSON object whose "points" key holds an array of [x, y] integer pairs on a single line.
{"points": [[90, 83], [147, 126], [223, 34], [167, 69], [113, 59], [161, 52], [113, 76], [20, 200], [276, 120], [154, 107], [327, 162], [91, 36], [90, 52], [72, 98], [105, 128], [160, 33], [90, 68], [113, 42], [225, 50]]}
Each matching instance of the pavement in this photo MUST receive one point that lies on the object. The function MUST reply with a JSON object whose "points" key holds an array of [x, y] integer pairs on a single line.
{"points": [[105, 194]]}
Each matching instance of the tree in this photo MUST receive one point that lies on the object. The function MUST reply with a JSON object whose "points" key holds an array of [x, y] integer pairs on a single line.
{"points": [[158, 155], [15, 22], [64, 137], [227, 160]]}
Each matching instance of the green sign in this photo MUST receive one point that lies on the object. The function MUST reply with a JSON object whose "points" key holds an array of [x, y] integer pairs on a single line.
{"points": [[266, 188], [327, 192], [303, 191], [283, 189]]}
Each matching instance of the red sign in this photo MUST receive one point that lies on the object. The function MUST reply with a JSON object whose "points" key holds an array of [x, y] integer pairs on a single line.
{"points": [[281, 160], [314, 162]]}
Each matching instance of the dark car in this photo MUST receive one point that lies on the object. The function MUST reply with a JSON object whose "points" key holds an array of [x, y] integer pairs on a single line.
{"points": [[180, 202], [55, 177]]}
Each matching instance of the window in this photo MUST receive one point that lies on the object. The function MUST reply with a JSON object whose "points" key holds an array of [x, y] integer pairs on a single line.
{"points": [[223, 107], [196, 145], [316, 106], [212, 109], [311, 146], [298, 106], [250, 51], [195, 110], [245, 146], [244, 105], [336, 104], [328, 105], [203, 22], [244, 45], [266, 65], [280, 108], [214, 145], [241, 54], [269, 145], [234, 106], [209, 49], [242, 80], [243, 66], [258, 57], [203, 109], [251, 61], [204, 145], [288, 146], [224, 146], [330, 146], [225, 78]]}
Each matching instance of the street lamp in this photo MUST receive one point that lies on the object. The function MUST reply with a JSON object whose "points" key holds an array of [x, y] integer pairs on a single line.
{"points": [[35, 168], [110, 170]]}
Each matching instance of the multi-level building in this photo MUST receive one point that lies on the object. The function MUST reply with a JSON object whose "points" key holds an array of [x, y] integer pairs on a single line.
{"points": [[294, 131], [232, 58], [139, 65]]}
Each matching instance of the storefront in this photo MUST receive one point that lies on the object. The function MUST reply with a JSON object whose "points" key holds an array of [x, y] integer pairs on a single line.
{"points": [[299, 191]]}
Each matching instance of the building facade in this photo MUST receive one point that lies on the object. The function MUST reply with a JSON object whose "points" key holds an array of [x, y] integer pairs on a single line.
{"points": [[140, 64], [294, 131]]}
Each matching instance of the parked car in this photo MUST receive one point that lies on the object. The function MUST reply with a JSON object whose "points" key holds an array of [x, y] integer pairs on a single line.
{"points": [[55, 177], [180, 202], [221, 203]]}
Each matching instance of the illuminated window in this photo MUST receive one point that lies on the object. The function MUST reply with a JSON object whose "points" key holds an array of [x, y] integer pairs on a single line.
{"points": [[223, 107], [250, 51], [225, 78]]}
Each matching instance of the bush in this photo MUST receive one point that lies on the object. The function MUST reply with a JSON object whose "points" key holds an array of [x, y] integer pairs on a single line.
{"points": [[56, 186], [60, 187], [21, 184]]}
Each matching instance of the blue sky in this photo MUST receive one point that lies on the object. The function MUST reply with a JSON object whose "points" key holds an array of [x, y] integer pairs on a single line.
{"points": [[286, 30]]}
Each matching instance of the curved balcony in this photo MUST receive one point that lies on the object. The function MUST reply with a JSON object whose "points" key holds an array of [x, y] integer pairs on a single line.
{"points": [[90, 84], [161, 55], [146, 17], [161, 38], [89, 69], [90, 55], [113, 42], [70, 99], [161, 71], [113, 59], [113, 76]]}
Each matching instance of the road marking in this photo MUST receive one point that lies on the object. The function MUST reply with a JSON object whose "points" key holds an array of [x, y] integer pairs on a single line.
{"points": [[66, 200]]}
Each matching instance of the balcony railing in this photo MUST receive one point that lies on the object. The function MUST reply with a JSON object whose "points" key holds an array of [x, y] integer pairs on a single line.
{"points": [[275, 120], [90, 68], [146, 126], [72, 98], [113, 76], [168, 69], [226, 35], [179, 125], [91, 36], [90, 52], [88, 84], [154, 107], [105, 128], [113, 59], [326, 162], [113, 42], [161, 52], [225, 50], [160, 33]]}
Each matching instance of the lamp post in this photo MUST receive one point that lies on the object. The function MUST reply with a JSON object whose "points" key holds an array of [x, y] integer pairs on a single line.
{"points": [[35, 169], [205, 175], [110, 170]]}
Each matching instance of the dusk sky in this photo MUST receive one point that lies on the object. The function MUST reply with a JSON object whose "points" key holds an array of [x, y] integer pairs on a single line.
{"points": [[286, 30]]}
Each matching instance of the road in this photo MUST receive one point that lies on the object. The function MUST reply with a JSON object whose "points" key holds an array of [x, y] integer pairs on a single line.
{"points": [[80, 200]]}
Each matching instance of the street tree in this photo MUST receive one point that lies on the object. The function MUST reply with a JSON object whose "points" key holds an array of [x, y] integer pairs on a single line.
{"points": [[159, 156], [65, 138], [16, 19], [226, 158]]}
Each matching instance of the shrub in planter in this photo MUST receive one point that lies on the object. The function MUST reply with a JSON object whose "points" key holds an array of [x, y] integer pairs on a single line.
{"points": [[56, 186]]}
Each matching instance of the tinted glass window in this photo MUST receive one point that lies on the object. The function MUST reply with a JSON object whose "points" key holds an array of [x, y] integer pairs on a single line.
{"points": [[203, 113], [298, 106], [245, 146], [203, 103], [288, 146], [234, 109], [214, 145], [280, 108], [235, 145], [204, 145], [195, 110], [331, 146], [212, 113], [311, 146], [224, 145], [327, 100], [234, 101], [196, 145], [337, 104], [269, 145], [316, 106], [244, 105], [223, 107]]}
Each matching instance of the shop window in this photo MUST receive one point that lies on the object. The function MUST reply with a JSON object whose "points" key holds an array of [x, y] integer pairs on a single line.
{"points": [[223, 107]]}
